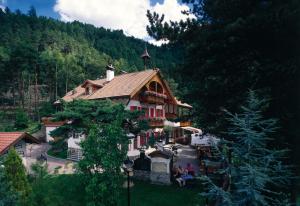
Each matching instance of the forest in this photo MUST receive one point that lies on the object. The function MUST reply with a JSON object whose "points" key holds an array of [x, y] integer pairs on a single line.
{"points": [[40, 53]]}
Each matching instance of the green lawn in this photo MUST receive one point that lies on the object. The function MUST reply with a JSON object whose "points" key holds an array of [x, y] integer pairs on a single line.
{"points": [[146, 194], [67, 190], [61, 154]]}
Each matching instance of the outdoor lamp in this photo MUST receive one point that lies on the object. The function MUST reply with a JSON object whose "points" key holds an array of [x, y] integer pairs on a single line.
{"points": [[127, 167]]}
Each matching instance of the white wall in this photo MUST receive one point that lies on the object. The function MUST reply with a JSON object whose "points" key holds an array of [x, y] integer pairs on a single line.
{"points": [[171, 124], [20, 148], [133, 103], [48, 130], [131, 145], [161, 160], [74, 142]]}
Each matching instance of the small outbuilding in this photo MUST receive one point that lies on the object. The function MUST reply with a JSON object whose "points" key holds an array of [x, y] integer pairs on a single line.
{"points": [[161, 165], [18, 140]]}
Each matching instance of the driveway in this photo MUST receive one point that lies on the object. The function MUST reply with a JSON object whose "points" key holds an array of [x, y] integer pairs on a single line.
{"points": [[55, 165]]}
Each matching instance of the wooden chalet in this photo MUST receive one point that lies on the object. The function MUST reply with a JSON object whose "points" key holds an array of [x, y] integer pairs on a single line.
{"points": [[144, 91]]}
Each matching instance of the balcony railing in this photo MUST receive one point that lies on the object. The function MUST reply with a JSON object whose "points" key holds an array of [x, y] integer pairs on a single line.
{"points": [[154, 97], [156, 122], [185, 124], [171, 116]]}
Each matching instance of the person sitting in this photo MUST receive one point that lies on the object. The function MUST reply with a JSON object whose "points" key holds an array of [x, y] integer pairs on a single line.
{"points": [[190, 169], [186, 176], [178, 176]]}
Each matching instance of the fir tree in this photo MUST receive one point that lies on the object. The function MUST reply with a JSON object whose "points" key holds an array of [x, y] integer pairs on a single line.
{"points": [[257, 173], [259, 169]]}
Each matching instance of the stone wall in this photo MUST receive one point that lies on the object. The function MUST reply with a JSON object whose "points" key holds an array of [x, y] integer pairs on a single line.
{"points": [[141, 175]]}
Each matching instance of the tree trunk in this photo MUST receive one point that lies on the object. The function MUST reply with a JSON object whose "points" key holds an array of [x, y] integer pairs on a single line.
{"points": [[36, 95], [55, 81]]}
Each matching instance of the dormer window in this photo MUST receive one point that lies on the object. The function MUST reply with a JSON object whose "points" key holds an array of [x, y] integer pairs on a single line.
{"points": [[88, 90]]}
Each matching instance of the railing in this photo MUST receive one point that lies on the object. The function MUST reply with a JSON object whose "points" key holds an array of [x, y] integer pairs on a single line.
{"points": [[171, 116], [185, 124], [156, 122], [154, 97], [74, 154]]}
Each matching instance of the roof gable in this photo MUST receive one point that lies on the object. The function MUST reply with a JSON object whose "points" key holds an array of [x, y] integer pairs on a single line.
{"points": [[121, 85], [124, 85], [161, 154], [9, 139]]}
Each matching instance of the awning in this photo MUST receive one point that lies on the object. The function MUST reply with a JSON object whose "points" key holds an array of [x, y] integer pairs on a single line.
{"points": [[192, 129]]}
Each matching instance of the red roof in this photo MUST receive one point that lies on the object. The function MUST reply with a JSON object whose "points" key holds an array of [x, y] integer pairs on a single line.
{"points": [[48, 122], [8, 139]]}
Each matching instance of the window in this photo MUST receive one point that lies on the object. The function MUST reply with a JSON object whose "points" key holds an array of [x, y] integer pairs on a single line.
{"points": [[151, 112], [159, 113], [146, 110], [76, 135], [171, 108], [18, 145], [133, 108], [88, 90], [156, 87], [167, 108]]}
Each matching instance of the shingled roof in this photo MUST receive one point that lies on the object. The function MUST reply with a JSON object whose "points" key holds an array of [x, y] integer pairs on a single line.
{"points": [[9, 139], [122, 85]]}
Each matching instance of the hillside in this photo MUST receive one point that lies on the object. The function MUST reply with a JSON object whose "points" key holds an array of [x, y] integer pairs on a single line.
{"points": [[57, 56]]}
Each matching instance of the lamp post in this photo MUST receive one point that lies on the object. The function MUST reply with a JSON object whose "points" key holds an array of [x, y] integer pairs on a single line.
{"points": [[127, 167]]}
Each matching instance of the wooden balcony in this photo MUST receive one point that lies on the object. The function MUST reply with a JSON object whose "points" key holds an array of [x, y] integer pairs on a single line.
{"points": [[156, 122], [185, 124], [171, 116], [153, 97]]}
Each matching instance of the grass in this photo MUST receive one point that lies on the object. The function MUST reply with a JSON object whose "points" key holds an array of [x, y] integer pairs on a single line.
{"points": [[62, 154], [146, 194], [67, 190]]}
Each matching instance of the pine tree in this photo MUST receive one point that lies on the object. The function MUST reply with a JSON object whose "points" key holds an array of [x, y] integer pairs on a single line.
{"points": [[258, 174], [15, 173], [105, 125], [259, 170], [104, 151]]}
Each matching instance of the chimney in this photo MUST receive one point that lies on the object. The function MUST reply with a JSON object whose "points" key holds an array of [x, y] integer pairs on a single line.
{"points": [[110, 72]]}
